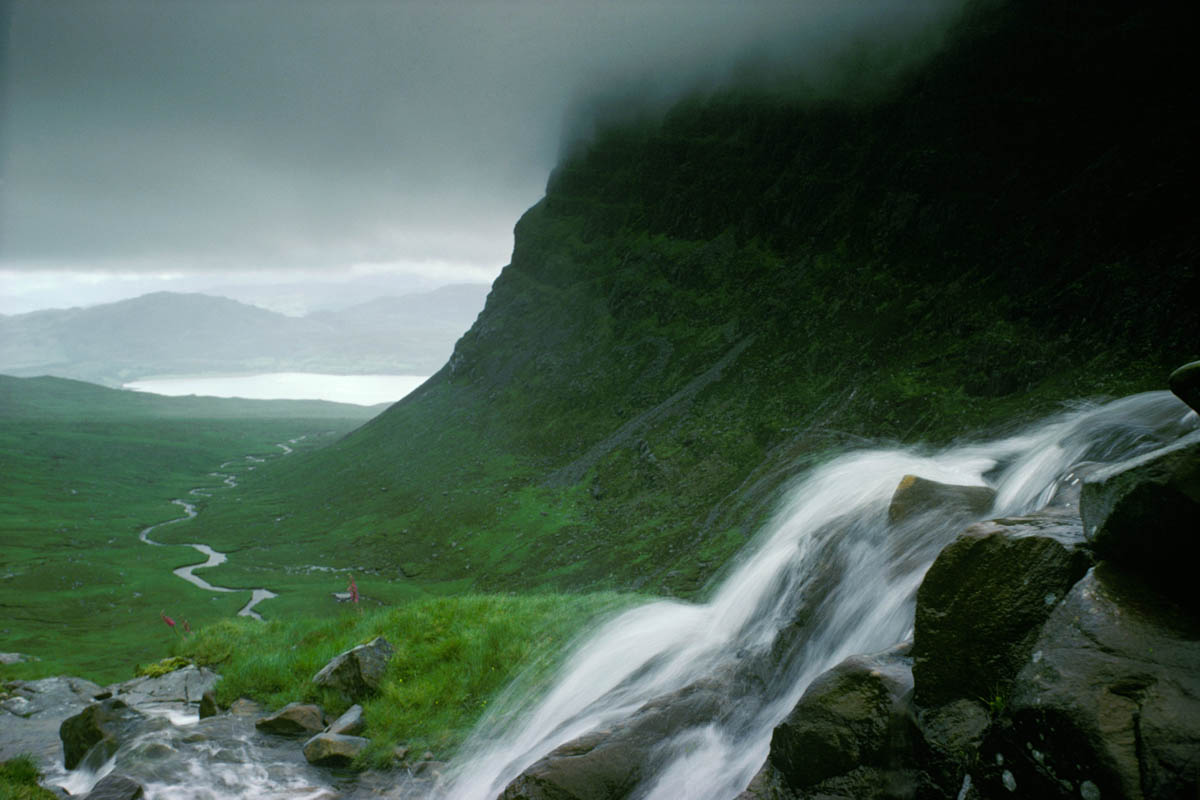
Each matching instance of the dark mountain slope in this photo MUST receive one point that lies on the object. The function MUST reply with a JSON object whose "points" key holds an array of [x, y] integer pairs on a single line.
{"points": [[700, 308]]}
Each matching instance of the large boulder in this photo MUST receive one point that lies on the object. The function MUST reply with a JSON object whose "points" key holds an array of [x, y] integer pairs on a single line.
{"points": [[182, 687], [915, 495], [358, 672], [294, 719], [609, 764], [102, 725], [116, 787], [1143, 514], [767, 784], [983, 601], [1185, 383], [334, 749], [31, 713], [853, 733], [1108, 703]]}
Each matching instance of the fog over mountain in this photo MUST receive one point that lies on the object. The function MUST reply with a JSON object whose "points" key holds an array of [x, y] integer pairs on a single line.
{"points": [[185, 334], [192, 146]]}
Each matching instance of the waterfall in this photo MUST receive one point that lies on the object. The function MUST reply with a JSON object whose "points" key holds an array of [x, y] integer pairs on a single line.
{"points": [[828, 577]]}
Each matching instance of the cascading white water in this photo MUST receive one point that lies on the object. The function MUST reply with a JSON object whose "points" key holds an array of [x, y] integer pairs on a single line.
{"points": [[827, 578]]}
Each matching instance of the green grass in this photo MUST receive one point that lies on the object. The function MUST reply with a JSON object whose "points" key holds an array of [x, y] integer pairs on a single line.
{"points": [[83, 470], [19, 780], [453, 654]]}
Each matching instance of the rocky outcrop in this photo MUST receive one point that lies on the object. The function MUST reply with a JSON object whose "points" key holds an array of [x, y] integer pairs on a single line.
{"points": [[853, 733], [983, 600], [116, 787], [294, 719], [334, 749], [609, 764], [358, 672], [32, 711], [1142, 513], [1108, 704], [102, 725], [915, 495], [184, 686]]}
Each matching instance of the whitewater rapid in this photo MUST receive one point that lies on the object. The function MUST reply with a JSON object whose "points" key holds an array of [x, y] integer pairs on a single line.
{"points": [[827, 578]]}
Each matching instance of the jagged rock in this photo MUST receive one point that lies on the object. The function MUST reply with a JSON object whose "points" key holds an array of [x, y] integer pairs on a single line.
{"points": [[1108, 704], [101, 724], [208, 705], [1142, 514], [116, 787], [767, 784], [32, 712], [854, 727], [952, 735], [350, 723], [358, 672], [333, 748], [609, 764], [983, 601], [182, 686], [294, 719], [915, 495], [1185, 383]]}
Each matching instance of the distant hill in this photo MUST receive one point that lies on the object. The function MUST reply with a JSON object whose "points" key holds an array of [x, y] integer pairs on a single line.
{"points": [[170, 333]]}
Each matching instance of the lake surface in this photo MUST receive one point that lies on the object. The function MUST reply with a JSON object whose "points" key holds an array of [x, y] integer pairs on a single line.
{"points": [[363, 390]]}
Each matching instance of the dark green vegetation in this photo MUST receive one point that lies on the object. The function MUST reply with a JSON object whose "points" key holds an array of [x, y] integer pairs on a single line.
{"points": [[704, 305], [19, 781], [83, 469], [453, 654], [181, 334]]}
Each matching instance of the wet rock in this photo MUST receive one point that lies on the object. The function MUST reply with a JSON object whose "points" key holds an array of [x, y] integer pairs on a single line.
{"points": [[916, 495], [1185, 383], [116, 787], [1142, 514], [609, 764], [245, 707], [334, 749], [952, 735], [103, 725], [982, 603], [767, 784], [208, 705], [294, 719], [32, 711], [181, 687], [350, 723], [1108, 704], [854, 727], [358, 672]]}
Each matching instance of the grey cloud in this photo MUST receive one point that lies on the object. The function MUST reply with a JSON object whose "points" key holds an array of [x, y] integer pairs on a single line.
{"points": [[297, 134]]}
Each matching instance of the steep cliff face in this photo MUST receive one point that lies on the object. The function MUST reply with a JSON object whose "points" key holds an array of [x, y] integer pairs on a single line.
{"points": [[700, 307]]}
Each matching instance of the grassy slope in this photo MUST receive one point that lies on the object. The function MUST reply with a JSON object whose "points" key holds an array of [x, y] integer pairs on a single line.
{"points": [[700, 308], [82, 470]]}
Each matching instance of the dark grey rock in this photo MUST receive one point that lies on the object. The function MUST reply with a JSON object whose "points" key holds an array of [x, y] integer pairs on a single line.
{"points": [[103, 725], [767, 784], [609, 764], [983, 601], [334, 749], [1143, 515], [855, 716], [1108, 703], [294, 719], [953, 734], [1185, 383], [349, 723], [208, 705], [358, 672], [116, 787], [915, 495]]}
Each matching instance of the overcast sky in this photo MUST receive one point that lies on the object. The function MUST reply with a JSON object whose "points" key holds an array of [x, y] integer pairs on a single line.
{"points": [[196, 144]]}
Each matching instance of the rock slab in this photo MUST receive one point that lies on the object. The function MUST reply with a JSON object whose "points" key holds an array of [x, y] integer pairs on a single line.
{"points": [[983, 601], [294, 719], [358, 672], [116, 787], [334, 749]]}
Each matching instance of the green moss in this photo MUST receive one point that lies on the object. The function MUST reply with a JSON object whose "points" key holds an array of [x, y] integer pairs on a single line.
{"points": [[166, 665]]}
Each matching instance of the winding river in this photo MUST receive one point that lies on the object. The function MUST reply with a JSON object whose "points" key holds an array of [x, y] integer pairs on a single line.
{"points": [[214, 558]]}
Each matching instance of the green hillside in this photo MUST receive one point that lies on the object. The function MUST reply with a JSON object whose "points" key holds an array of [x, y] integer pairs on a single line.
{"points": [[83, 469], [702, 306]]}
